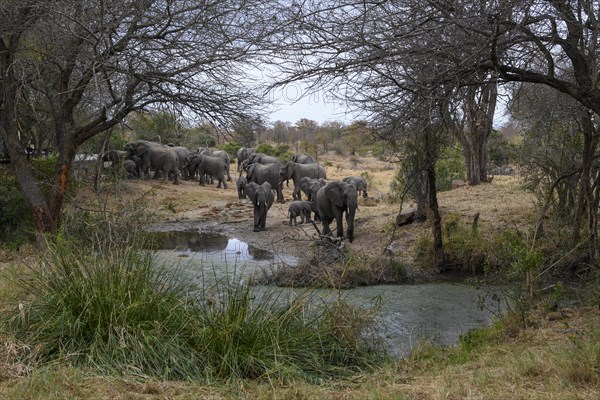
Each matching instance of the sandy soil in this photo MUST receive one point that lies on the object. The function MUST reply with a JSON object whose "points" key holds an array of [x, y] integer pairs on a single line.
{"points": [[189, 206]]}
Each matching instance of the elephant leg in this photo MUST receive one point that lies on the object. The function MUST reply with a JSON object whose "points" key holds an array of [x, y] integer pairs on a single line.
{"points": [[338, 221], [263, 221], [256, 219], [296, 194], [307, 216], [325, 222]]}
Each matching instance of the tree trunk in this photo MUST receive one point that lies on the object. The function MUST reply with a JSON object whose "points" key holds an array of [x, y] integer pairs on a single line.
{"points": [[432, 203], [480, 106], [586, 204]]}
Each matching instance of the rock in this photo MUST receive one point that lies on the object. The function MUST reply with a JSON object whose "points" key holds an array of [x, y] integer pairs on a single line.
{"points": [[406, 217], [393, 249], [456, 183]]}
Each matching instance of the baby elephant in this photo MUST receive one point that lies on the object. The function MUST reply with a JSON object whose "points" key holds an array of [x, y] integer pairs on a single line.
{"points": [[359, 182], [299, 208], [241, 186]]}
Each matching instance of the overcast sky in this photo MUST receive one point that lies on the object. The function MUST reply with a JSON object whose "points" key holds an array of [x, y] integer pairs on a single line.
{"points": [[293, 104]]}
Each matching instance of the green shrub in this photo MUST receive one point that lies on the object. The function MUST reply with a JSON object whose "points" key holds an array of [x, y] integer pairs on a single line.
{"points": [[111, 308], [16, 221], [423, 252], [231, 148], [449, 167], [16, 224], [266, 148], [283, 151]]}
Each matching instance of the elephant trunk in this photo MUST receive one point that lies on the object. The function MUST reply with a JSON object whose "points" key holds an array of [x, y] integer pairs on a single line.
{"points": [[350, 213]]}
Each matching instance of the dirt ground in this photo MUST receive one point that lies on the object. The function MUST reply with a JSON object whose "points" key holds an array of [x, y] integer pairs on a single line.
{"points": [[191, 207]]}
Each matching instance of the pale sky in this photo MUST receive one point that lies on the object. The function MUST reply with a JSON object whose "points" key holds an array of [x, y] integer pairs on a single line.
{"points": [[293, 104]]}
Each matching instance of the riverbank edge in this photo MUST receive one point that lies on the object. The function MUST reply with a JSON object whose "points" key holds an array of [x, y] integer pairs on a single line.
{"points": [[547, 353]]}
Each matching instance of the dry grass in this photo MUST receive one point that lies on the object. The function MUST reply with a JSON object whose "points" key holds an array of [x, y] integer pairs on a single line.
{"points": [[501, 204], [552, 359], [544, 361]]}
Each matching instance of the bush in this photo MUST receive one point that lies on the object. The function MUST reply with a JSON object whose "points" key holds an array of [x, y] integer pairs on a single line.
{"points": [[16, 224], [449, 167], [16, 221], [266, 148], [112, 309], [231, 148]]}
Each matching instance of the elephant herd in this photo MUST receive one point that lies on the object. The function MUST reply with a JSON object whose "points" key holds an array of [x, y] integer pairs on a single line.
{"points": [[263, 180], [141, 157], [328, 201]]}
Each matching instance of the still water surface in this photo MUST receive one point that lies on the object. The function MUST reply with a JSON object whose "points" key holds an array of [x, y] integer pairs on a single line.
{"points": [[405, 313]]}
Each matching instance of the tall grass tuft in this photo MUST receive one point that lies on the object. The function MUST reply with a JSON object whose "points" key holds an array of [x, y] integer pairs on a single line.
{"points": [[111, 308]]}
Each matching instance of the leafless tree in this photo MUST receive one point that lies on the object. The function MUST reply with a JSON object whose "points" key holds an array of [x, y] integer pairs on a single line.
{"points": [[85, 65], [375, 54]]}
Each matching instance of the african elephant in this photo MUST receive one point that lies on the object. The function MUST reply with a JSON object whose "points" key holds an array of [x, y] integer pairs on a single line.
{"points": [[359, 182], [156, 156], [131, 168], [218, 153], [260, 173], [299, 208], [295, 171], [302, 159], [183, 153], [242, 154], [333, 200], [204, 164], [261, 158], [305, 184], [262, 199], [114, 156], [241, 186]]}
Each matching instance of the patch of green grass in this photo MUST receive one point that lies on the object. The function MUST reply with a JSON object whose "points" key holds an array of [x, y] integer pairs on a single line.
{"points": [[114, 311]]}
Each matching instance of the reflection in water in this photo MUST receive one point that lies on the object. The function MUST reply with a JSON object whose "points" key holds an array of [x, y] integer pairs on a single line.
{"points": [[407, 313], [213, 247]]}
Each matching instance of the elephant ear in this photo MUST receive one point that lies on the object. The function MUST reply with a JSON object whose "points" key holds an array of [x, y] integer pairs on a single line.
{"points": [[334, 194], [250, 172], [142, 147]]}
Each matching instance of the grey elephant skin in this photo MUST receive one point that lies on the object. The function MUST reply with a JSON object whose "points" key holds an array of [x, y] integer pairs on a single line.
{"points": [[302, 159], [262, 199], [156, 156], [333, 201], [261, 158], [305, 185], [114, 156], [183, 153], [218, 153], [260, 173], [299, 208], [296, 172], [359, 182], [131, 168], [203, 165], [243, 154], [240, 184]]}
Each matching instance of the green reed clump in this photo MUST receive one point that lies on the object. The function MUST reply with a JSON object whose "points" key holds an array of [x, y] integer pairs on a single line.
{"points": [[113, 309], [272, 335]]}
